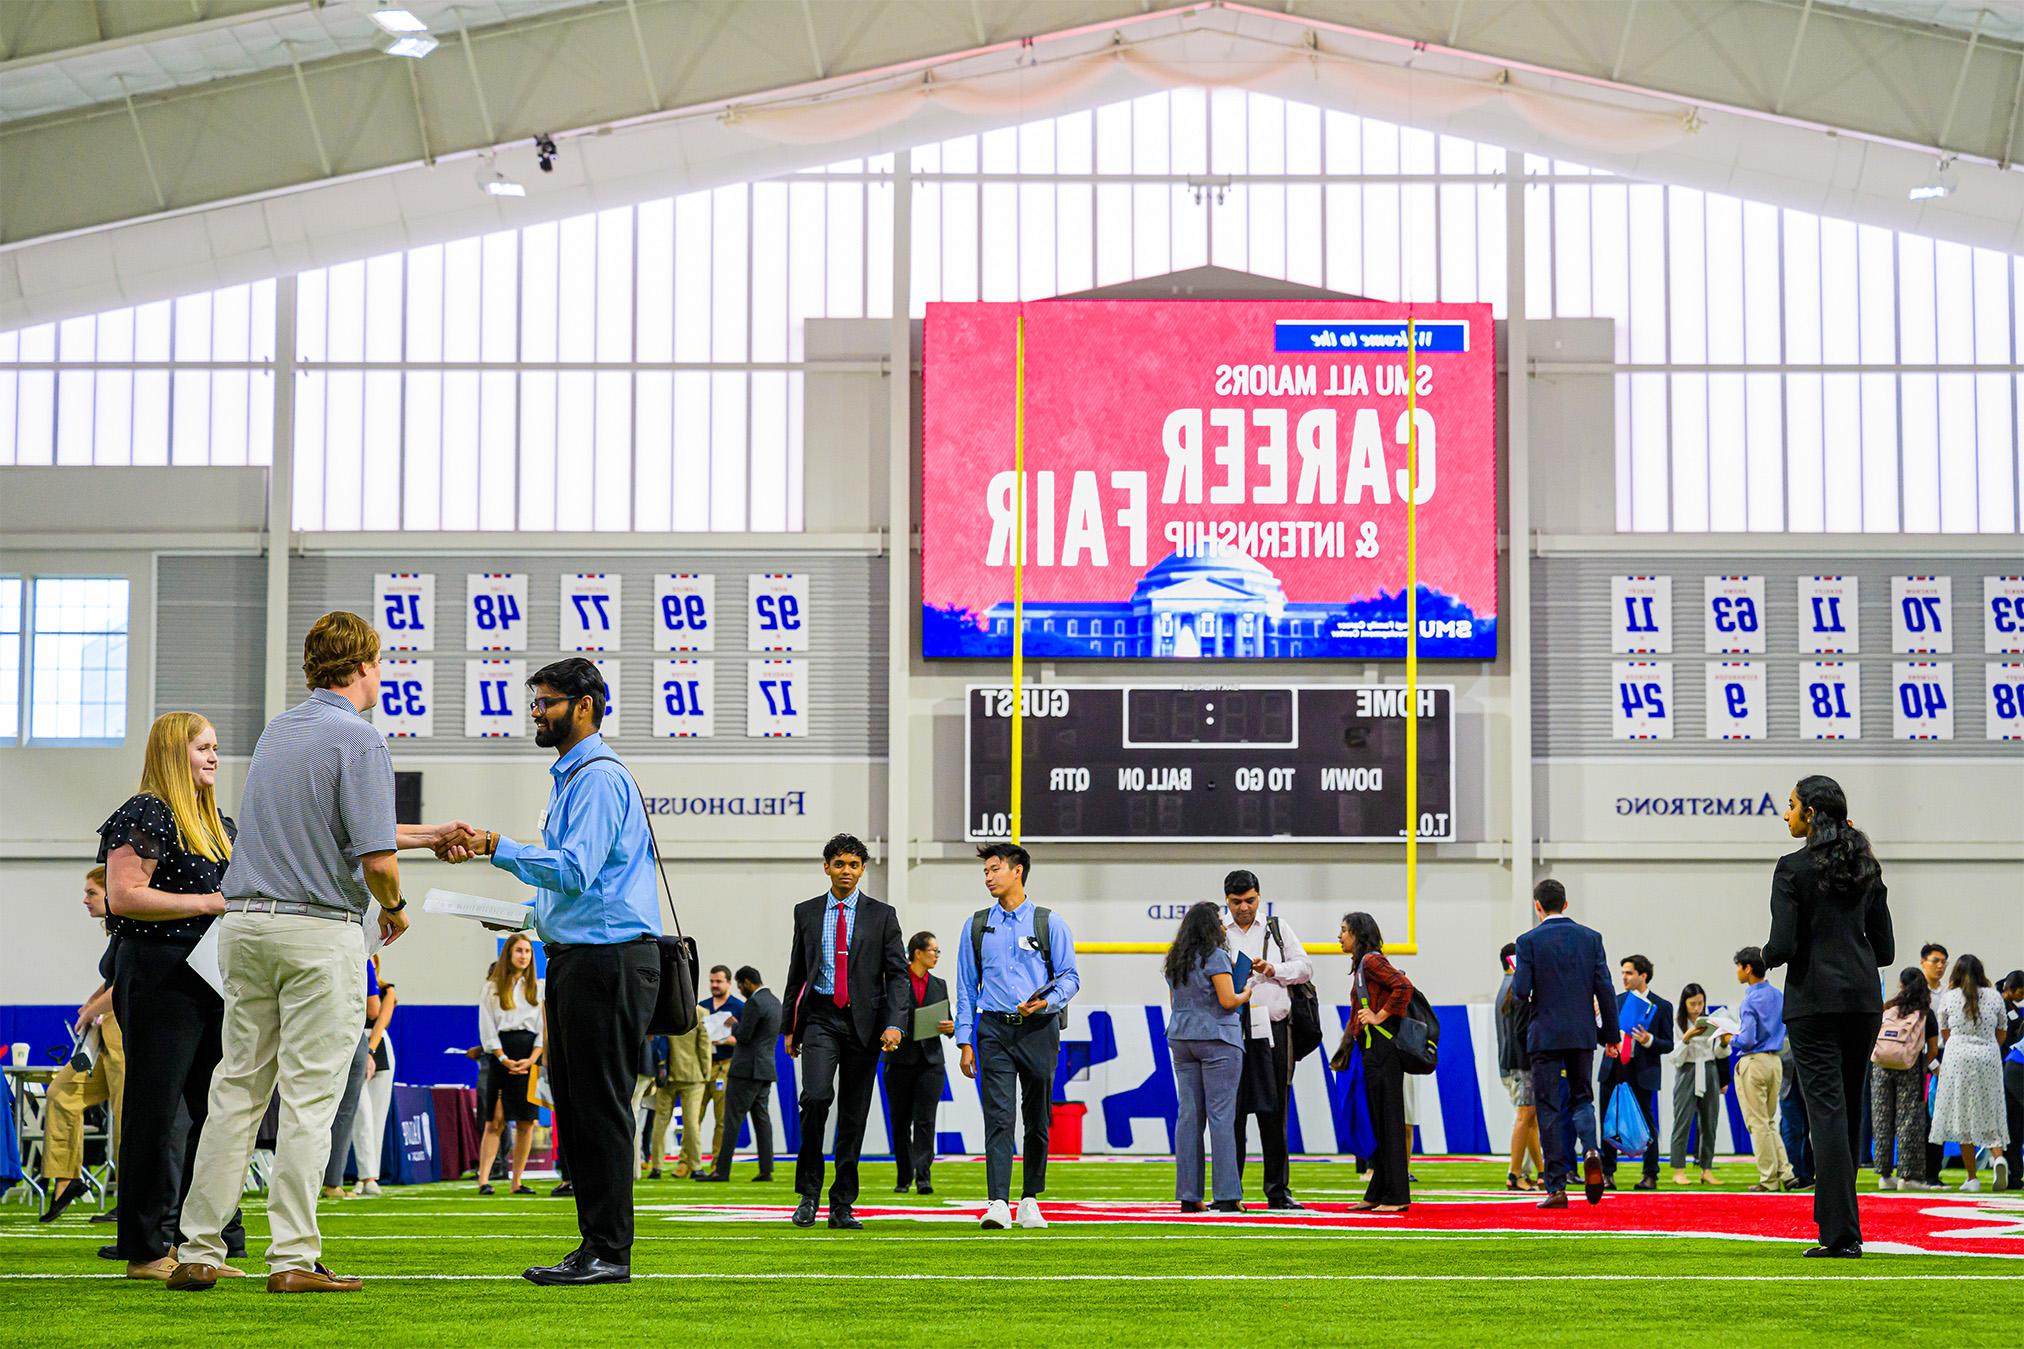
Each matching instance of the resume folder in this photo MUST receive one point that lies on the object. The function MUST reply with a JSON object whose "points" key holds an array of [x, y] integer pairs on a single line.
{"points": [[928, 1020]]}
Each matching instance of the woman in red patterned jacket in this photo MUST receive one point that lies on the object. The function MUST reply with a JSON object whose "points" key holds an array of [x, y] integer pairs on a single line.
{"points": [[1381, 994]]}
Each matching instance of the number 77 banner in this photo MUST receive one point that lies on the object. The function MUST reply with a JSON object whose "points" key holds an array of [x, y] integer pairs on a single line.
{"points": [[590, 611]]}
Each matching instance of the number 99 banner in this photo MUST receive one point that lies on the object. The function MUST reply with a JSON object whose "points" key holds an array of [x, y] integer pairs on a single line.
{"points": [[685, 612]]}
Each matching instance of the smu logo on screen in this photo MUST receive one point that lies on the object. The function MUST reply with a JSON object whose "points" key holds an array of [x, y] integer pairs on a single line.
{"points": [[1697, 805]]}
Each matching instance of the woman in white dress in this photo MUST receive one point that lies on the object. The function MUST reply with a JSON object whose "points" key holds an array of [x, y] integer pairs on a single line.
{"points": [[1968, 1105]]}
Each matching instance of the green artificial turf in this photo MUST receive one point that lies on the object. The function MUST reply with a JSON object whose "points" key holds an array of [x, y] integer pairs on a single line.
{"points": [[946, 1283]]}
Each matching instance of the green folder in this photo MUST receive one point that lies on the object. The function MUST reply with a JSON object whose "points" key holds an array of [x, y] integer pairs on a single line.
{"points": [[928, 1020]]}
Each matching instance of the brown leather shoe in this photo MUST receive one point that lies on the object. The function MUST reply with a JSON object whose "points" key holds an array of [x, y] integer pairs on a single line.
{"points": [[318, 1280], [228, 1272], [158, 1270], [196, 1278]]}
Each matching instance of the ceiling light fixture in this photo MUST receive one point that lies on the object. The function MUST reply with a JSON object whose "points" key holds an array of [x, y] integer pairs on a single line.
{"points": [[414, 46], [544, 152], [398, 21], [496, 183], [1940, 183]]}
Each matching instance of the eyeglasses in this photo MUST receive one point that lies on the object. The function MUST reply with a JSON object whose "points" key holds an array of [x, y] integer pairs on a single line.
{"points": [[539, 705]]}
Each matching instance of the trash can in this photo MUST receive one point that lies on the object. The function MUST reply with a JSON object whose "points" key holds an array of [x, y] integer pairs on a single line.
{"points": [[1064, 1137]]}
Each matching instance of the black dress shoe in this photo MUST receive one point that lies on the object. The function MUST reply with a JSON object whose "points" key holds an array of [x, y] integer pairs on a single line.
{"points": [[1286, 1206], [1592, 1180], [562, 1191], [804, 1212], [1792, 1185], [1554, 1199], [577, 1268], [111, 1215], [841, 1216], [1850, 1252], [72, 1191], [1608, 1182], [766, 1179], [1648, 1183], [924, 1188], [707, 1176], [654, 1174], [1191, 1206], [902, 1188], [1226, 1206], [108, 1252]]}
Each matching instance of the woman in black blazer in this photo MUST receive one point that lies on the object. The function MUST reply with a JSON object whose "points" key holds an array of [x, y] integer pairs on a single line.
{"points": [[915, 1073], [1830, 926]]}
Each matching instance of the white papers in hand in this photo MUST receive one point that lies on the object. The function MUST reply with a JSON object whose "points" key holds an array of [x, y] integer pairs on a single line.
{"points": [[720, 1026], [203, 959], [504, 913]]}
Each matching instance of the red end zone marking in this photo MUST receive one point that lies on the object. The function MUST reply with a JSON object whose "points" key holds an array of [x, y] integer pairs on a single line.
{"points": [[1935, 1225]]}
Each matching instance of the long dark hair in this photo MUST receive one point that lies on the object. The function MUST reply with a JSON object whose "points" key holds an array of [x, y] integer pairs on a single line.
{"points": [[1913, 996], [1840, 850], [1201, 935], [1363, 928], [1971, 979], [1692, 991]]}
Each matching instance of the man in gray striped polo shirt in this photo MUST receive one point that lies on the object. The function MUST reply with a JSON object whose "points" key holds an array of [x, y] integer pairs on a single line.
{"points": [[316, 845]]}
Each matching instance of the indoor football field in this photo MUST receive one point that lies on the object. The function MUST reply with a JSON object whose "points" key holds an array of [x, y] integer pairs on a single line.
{"points": [[1469, 1263]]}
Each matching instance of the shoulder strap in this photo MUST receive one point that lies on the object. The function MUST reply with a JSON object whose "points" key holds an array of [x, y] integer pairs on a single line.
{"points": [[1043, 932], [652, 846], [1272, 927], [977, 921]]}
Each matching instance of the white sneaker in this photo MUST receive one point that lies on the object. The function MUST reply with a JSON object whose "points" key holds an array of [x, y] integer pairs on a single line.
{"points": [[367, 1189], [1029, 1213], [1886, 1182], [2002, 1168], [1972, 1186], [997, 1217]]}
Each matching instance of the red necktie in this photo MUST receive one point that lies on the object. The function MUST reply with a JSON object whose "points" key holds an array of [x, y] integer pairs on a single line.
{"points": [[840, 986]]}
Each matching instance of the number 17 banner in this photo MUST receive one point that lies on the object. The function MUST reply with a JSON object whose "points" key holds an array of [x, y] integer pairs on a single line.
{"points": [[590, 609], [776, 699]]}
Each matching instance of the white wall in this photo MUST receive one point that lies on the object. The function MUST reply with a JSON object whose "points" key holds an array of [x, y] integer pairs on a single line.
{"points": [[1684, 893]]}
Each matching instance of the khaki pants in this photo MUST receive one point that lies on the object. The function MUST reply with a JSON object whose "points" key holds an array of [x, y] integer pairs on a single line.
{"points": [[1759, 1078], [294, 995], [72, 1093], [720, 1077], [692, 1096]]}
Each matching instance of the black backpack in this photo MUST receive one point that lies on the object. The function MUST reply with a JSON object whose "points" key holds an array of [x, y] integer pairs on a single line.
{"points": [[1042, 934], [1418, 1036], [1303, 1023]]}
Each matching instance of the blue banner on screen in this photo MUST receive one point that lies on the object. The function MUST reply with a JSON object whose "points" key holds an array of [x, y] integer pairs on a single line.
{"points": [[1432, 335]]}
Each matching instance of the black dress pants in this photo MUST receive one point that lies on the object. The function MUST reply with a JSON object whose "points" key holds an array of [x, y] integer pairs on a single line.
{"points": [[747, 1098], [1017, 1059], [1384, 1090], [599, 1001], [1830, 1052], [1566, 1128], [914, 1093], [172, 1021], [837, 1069], [1270, 1063]]}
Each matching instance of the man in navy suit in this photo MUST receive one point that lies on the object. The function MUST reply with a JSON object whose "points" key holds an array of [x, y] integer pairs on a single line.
{"points": [[1647, 1047], [1563, 977]]}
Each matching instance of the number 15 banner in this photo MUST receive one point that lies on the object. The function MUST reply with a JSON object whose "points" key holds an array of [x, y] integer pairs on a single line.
{"points": [[404, 610]]}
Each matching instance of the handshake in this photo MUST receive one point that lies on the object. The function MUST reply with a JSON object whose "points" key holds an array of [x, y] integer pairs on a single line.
{"points": [[460, 842]]}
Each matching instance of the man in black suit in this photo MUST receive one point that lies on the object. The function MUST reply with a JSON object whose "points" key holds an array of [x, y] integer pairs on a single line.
{"points": [[846, 988], [1648, 1046], [1563, 977], [915, 1073], [749, 1093], [1831, 929]]}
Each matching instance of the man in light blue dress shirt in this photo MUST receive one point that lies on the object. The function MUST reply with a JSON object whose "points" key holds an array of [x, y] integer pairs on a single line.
{"points": [[596, 910], [1008, 1022]]}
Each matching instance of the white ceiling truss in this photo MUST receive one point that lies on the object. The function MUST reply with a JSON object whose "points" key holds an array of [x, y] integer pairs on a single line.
{"points": [[246, 102]]}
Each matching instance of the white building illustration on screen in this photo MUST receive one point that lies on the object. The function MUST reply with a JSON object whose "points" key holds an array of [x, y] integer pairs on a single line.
{"points": [[1222, 605]]}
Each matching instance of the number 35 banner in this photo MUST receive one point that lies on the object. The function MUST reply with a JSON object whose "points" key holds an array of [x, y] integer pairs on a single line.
{"points": [[590, 611], [407, 705], [404, 610]]}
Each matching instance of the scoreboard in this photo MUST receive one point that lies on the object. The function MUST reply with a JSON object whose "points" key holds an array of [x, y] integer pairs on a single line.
{"points": [[1122, 763]]}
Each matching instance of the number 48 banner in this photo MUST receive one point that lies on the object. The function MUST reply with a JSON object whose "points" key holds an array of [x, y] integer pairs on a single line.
{"points": [[495, 611]]}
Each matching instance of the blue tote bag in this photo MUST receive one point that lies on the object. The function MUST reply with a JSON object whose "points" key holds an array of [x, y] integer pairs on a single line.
{"points": [[1624, 1124]]}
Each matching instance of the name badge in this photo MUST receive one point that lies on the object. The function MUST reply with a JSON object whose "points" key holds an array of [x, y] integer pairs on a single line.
{"points": [[541, 824], [1030, 943]]}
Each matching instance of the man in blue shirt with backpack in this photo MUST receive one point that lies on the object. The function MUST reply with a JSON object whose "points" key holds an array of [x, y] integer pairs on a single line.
{"points": [[1015, 975]]}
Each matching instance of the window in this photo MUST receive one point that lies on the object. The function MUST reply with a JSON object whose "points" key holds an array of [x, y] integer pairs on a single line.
{"points": [[10, 657], [78, 654]]}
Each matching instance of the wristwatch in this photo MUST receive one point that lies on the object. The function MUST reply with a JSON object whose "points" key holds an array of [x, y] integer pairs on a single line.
{"points": [[395, 908]]}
